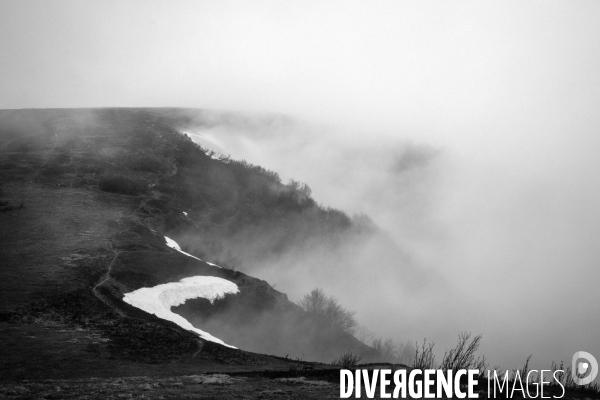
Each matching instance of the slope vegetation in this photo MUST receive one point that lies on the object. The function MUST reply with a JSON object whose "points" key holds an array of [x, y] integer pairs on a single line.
{"points": [[87, 199]]}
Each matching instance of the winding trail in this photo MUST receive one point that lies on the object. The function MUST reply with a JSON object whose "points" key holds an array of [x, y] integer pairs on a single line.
{"points": [[159, 299], [116, 252], [107, 277]]}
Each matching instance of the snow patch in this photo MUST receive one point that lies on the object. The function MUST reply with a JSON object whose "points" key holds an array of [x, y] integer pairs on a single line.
{"points": [[173, 244], [159, 299]]}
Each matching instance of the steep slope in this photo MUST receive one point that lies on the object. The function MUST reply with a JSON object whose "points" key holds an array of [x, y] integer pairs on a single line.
{"points": [[87, 197]]}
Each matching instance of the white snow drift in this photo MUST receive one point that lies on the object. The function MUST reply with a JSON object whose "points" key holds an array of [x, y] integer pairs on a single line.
{"points": [[159, 299], [173, 244]]}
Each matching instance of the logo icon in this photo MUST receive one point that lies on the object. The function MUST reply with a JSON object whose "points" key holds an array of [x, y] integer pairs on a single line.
{"points": [[584, 368]]}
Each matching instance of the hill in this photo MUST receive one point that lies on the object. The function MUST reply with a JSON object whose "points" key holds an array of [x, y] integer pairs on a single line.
{"points": [[88, 200]]}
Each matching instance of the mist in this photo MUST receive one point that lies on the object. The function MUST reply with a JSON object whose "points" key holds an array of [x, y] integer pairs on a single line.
{"points": [[467, 131], [483, 247]]}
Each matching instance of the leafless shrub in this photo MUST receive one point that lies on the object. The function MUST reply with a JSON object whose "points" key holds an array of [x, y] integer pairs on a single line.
{"points": [[463, 355], [424, 358], [348, 359], [523, 371]]}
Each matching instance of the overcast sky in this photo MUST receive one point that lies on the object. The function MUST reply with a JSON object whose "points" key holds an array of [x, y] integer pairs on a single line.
{"points": [[501, 99]]}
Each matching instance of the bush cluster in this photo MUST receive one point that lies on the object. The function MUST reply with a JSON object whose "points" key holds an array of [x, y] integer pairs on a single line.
{"points": [[121, 184]]}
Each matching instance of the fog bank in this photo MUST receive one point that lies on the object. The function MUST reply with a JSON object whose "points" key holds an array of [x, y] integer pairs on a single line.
{"points": [[503, 248]]}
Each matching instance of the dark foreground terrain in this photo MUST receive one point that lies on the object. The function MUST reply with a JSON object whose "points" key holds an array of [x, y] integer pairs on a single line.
{"points": [[214, 386]]}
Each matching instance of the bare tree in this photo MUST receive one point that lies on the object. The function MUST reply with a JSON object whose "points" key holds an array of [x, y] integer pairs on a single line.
{"points": [[405, 352], [386, 350], [364, 334], [327, 308], [314, 302]]}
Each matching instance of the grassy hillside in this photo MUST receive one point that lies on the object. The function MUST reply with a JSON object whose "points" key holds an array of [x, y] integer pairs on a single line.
{"points": [[86, 197]]}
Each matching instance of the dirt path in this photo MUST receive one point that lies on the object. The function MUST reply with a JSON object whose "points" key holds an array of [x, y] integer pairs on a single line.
{"points": [[153, 196], [107, 277]]}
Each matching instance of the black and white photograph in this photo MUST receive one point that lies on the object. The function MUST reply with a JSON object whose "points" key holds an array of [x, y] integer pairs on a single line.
{"points": [[299, 199]]}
